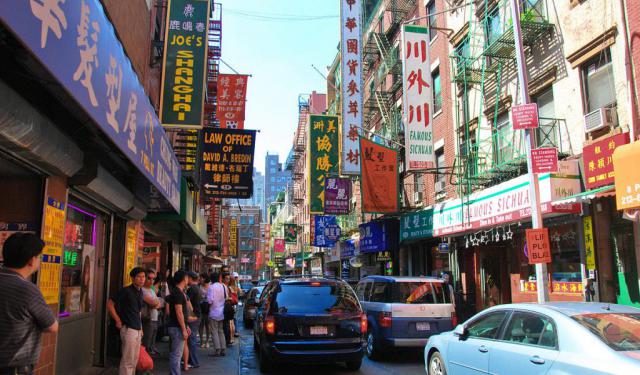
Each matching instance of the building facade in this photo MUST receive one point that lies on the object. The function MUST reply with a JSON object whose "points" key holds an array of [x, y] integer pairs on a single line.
{"points": [[276, 179]]}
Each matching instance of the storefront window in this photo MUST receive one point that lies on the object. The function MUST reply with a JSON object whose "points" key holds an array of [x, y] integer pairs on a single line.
{"points": [[79, 259]]}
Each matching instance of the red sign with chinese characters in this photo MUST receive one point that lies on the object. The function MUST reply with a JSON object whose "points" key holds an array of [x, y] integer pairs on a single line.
{"points": [[524, 116], [379, 178], [544, 159], [538, 245], [278, 245], [232, 92], [598, 162]]}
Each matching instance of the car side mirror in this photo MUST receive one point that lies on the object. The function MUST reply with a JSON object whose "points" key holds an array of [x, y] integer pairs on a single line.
{"points": [[460, 331]]}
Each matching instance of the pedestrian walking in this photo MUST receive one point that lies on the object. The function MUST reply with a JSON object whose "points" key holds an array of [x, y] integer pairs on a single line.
{"points": [[150, 311], [177, 321], [125, 308], [205, 323], [229, 310], [216, 296], [234, 293], [193, 292], [24, 314]]}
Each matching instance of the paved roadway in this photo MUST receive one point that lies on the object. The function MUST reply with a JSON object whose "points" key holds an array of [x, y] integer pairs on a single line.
{"points": [[405, 363]]}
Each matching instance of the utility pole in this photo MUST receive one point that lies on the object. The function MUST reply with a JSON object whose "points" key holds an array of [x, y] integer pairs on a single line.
{"points": [[534, 189]]}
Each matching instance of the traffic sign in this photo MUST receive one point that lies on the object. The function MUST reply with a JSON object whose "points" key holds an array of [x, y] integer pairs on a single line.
{"points": [[524, 116], [538, 245], [544, 159]]}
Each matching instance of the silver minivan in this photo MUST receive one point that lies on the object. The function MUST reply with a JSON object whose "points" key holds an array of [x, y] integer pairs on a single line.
{"points": [[404, 311]]}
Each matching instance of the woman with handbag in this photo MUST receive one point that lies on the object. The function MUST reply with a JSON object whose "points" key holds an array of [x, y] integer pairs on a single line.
{"points": [[234, 292]]}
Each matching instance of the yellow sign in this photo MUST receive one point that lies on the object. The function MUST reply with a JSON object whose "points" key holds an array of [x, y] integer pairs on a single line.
{"points": [[589, 248], [627, 176], [233, 237], [51, 265], [130, 253]]}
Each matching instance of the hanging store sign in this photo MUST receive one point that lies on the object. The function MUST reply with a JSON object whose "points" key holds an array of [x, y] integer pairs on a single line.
{"points": [[598, 160], [232, 93], [538, 245], [416, 225], [524, 116], [337, 195], [184, 65], [351, 73], [508, 202], [185, 146], [589, 246], [383, 256], [51, 261], [379, 181], [417, 98], [627, 181], [323, 157], [544, 159], [278, 245], [233, 237], [345, 269], [227, 162], [347, 248], [380, 235], [96, 72], [225, 237], [290, 233], [320, 237]]}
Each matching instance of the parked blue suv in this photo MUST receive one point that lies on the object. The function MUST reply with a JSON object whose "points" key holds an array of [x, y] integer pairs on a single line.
{"points": [[404, 311]]}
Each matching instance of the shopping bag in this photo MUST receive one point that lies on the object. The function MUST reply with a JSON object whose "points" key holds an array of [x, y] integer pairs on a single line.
{"points": [[145, 362]]}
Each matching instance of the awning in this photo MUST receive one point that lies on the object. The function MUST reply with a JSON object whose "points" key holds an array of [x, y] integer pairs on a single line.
{"points": [[585, 196], [627, 176]]}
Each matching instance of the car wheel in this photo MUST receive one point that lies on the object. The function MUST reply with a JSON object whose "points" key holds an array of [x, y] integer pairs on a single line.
{"points": [[436, 365], [373, 351], [354, 365], [266, 365]]}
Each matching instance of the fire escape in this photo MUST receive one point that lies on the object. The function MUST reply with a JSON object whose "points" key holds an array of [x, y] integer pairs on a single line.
{"points": [[299, 154], [214, 51]]}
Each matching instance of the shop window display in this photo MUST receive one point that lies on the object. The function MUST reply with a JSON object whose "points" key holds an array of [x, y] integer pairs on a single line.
{"points": [[78, 262]]}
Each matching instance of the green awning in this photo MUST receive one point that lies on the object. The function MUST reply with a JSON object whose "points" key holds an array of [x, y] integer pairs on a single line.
{"points": [[584, 196]]}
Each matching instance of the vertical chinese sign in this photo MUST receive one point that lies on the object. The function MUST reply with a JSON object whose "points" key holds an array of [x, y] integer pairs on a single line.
{"points": [[379, 178], [184, 66], [337, 195], [225, 237], [232, 92], [417, 98], [267, 243], [351, 65], [233, 237], [53, 237], [323, 157], [130, 252], [589, 246]]}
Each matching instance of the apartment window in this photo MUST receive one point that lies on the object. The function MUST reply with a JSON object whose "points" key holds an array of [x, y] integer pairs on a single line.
{"points": [[548, 128], [431, 9], [503, 139], [492, 26], [462, 53], [441, 175], [418, 182], [597, 81], [437, 91]]}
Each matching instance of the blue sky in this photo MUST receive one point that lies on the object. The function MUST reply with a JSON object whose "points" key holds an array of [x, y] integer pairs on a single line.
{"points": [[279, 55]]}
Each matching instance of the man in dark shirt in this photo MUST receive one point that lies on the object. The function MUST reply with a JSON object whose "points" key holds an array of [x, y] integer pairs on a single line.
{"points": [[193, 292], [177, 323], [125, 308], [24, 314]]}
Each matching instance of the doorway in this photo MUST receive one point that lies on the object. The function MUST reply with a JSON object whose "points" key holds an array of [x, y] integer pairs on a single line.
{"points": [[622, 244], [493, 284]]}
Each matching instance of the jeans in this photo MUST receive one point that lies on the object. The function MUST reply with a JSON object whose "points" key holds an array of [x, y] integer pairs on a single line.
{"points": [[218, 334], [131, 339], [193, 343], [177, 348], [150, 329]]}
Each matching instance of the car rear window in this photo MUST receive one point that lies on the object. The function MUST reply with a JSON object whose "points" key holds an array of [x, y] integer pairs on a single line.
{"points": [[325, 298], [620, 331], [419, 292]]}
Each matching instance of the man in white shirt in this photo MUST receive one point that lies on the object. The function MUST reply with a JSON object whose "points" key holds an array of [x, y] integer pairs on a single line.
{"points": [[216, 295]]}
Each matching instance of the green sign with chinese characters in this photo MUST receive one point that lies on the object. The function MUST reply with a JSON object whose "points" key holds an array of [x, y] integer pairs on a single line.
{"points": [[416, 225], [290, 233], [323, 157], [70, 258], [184, 68]]}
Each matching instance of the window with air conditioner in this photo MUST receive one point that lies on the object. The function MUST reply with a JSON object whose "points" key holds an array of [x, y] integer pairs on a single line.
{"points": [[598, 83]]}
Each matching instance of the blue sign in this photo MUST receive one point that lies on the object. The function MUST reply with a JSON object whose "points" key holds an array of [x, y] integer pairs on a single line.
{"points": [[345, 270], [373, 237], [347, 248], [323, 223], [76, 42], [443, 248]]}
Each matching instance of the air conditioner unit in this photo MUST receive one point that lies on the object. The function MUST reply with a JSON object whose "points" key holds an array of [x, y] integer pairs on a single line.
{"points": [[439, 186], [600, 118], [417, 197]]}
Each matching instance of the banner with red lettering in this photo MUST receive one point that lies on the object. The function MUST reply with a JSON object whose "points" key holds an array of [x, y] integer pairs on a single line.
{"points": [[379, 178], [232, 94]]}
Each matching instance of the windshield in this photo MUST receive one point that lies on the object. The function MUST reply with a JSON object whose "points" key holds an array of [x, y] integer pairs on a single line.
{"points": [[420, 292], [619, 331], [321, 299]]}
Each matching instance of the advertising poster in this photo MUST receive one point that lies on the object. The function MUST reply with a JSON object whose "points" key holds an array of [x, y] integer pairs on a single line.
{"points": [[51, 264], [379, 181], [226, 162], [184, 67], [351, 69], [337, 196], [232, 92], [323, 157], [290, 233], [417, 98]]}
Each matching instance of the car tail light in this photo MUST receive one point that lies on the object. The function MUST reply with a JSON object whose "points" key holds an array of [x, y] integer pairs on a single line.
{"points": [[270, 325], [363, 323], [384, 319], [315, 283], [454, 319]]}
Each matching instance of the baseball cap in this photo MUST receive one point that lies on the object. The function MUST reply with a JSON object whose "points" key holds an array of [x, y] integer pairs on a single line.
{"points": [[235, 274]]}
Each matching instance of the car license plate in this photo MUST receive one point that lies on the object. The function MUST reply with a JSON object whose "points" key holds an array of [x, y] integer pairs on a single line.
{"points": [[318, 330], [423, 326]]}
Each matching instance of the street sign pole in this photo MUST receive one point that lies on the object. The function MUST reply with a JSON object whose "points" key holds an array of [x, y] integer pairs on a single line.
{"points": [[534, 189]]}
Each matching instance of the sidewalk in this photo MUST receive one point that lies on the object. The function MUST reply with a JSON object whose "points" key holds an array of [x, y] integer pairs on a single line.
{"points": [[228, 364]]}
